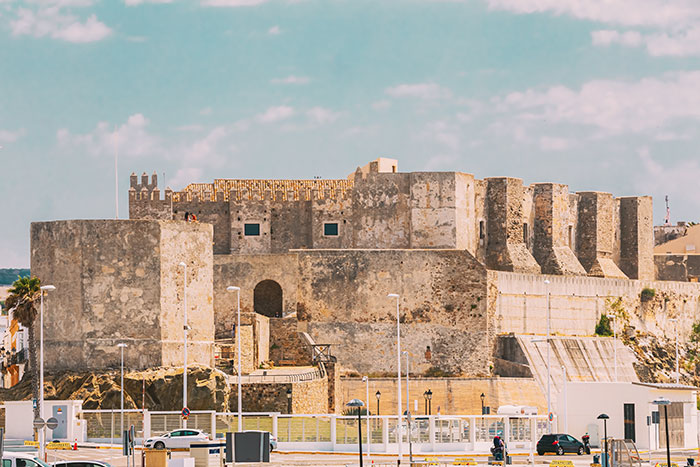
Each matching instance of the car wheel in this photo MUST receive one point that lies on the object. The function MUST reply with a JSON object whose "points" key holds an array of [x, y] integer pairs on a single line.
{"points": [[540, 453], [272, 448], [560, 451], [159, 445], [580, 450]]}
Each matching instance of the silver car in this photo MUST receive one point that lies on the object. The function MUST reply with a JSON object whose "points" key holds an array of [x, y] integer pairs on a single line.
{"points": [[176, 439]]}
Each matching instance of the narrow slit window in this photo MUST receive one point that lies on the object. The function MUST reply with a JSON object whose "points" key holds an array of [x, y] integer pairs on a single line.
{"points": [[251, 230], [330, 229]]}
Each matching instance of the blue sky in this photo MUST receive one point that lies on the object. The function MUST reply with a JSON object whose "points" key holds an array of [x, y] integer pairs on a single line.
{"points": [[598, 94]]}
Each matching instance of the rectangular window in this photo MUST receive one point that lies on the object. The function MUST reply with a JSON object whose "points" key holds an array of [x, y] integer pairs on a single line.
{"points": [[330, 229], [251, 230]]}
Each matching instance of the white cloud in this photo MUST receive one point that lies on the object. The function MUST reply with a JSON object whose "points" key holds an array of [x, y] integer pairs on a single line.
{"points": [[612, 106], [50, 20], [184, 177], [274, 31], [206, 150], [139, 2], [291, 79], [677, 179], [419, 90], [678, 43], [276, 114], [233, 3], [321, 116], [8, 136], [552, 143], [130, 139], [607, 37], [381, 104]]}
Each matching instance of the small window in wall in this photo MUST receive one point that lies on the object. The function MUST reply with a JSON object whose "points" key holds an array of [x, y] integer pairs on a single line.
{"points": [[393, 169], [526, 235], [571, 236], [330, 229], [481, 229], [251, 230]]}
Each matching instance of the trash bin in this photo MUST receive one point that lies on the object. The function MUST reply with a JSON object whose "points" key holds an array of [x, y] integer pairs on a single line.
{"points": [[596, 459], [156, 458], [690, 461], [207, 454], [251, 446]]}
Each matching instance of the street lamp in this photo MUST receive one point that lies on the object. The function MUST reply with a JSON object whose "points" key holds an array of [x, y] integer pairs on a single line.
{"points": [[482, 397], [359, 404], [121, 346], [675, 330], [549, 344], [365, 379], [425, 396], [378, 395], [665, 402], [408, 413], [238, 339], [398, 372], [613, 316], [43, 288], [429, 393], [289, 401], [185, 328], [605, 418]]}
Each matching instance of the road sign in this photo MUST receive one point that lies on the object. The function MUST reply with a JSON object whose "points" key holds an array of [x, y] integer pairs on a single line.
{"points": [[51, 423], [38, 423], [185, 412], [550, 416]]}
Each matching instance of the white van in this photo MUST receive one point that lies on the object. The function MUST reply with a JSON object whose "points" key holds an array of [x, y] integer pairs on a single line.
{"points": [[21, 459]]}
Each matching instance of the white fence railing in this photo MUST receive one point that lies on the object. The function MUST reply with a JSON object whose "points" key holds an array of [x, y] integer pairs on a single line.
{"points": [[325, 432]]}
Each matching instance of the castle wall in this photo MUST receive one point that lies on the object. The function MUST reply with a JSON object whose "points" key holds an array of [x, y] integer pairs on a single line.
{"points": [[380, 211], [434, 205], [596, 234], [110, 288], [343, 301], [677, 267], [576, 303], [637, 237]]}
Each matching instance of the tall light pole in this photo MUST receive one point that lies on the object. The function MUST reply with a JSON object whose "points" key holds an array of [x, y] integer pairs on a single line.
{"points": [[613, 317], [549, 375], [408, 413], [185, 328], [365, 379], [665, 402], [121, 346], [238, 340], [42, 435], [675, 330], [359, 404], [378, 395], [566, 418], [605, 419], [398, 373]]}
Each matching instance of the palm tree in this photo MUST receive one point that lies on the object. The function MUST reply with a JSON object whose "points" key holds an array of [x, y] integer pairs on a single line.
{"points": [[22, 301]]}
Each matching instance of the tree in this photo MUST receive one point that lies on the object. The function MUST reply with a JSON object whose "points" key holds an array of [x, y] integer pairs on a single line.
{"points": [[22, 303]]}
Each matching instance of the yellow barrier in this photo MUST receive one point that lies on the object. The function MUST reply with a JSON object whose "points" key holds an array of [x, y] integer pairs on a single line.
{"points": [[59, 446], [561, 463], [664, 464], [32, 443], [464, 461], [432, 461]]}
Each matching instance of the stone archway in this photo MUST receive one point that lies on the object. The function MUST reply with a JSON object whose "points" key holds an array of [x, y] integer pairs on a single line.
{"points": [[267, 299]]}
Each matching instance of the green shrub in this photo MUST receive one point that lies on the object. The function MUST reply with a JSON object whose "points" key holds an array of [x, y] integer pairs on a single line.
{"points": [[603, 327], [647, 294]]}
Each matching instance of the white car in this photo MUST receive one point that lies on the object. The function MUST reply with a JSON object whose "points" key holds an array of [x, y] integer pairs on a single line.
{"points": [[177, 439], [21, 459]]}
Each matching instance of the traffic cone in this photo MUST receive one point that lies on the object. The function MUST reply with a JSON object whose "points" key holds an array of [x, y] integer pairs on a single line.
{"points": [[75, 444]]}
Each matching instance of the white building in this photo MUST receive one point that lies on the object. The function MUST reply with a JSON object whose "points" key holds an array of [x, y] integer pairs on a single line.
{"points": [[629, 406]]}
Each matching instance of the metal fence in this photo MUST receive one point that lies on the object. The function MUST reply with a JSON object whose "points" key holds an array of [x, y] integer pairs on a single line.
{"points": [[327, 432]]}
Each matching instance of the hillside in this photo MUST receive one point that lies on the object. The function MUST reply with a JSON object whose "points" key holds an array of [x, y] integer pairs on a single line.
{"points": [[8, 276]]}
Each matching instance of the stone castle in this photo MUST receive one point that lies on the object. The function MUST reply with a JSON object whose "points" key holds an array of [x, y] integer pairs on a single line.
{"points": [[480, 266]]}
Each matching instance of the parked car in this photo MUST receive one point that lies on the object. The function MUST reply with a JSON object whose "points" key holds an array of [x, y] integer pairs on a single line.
{"points": [[80, 463], [176, 439], [559, 444], [21, 459]]}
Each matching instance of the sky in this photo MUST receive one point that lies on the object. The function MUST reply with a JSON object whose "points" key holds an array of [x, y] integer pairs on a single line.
{"points": [[597, 94]]}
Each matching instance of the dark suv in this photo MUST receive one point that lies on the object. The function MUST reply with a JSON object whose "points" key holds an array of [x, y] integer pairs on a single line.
{"points": [[559, 444]]}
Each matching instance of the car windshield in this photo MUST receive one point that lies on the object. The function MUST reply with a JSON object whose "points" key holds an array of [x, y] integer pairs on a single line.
{"points": [[40, 462]]}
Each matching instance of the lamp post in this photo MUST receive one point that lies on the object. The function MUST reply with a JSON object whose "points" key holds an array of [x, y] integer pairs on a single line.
{"points": [[408, 413], [185, 328], [662, 401], [398, 373], [359, 404], [42, 435], [613, 316], [675, 330], [425, 397], [238, 340], [482, 397], [378, 395], [122, 346], [430, 401], [549, 375], [605, 418], [369, 439], [289, 402]]}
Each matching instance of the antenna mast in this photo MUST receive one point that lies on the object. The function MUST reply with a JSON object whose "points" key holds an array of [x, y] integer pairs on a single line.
{"points": [[667, 220], [116, 177]]}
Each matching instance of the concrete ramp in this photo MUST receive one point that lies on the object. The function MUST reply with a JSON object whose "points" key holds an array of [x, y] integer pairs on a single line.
{"points": [[585, 359]]}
